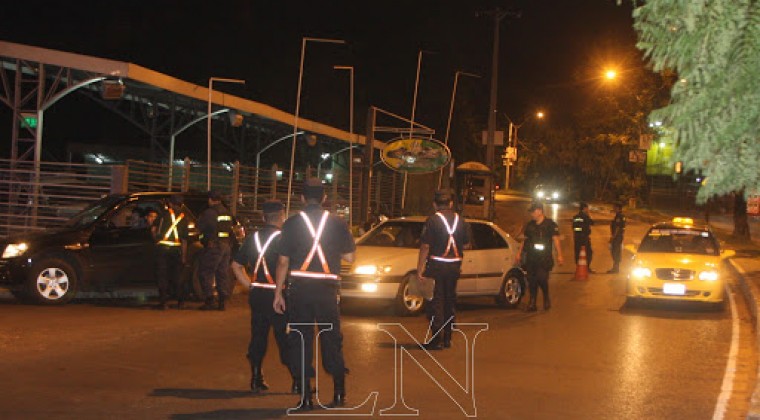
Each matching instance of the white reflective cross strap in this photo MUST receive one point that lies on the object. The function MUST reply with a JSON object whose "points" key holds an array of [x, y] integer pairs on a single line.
{"points": [[264, 285], [261, 262], [451, 245], [316, 248], [172, 231]]}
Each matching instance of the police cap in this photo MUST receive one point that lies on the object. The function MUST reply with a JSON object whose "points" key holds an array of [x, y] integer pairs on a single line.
{"points": [[442, 196], [272, 206], [535, 206], [215, 195], [583, 205], [176, 199], [313, 188]]}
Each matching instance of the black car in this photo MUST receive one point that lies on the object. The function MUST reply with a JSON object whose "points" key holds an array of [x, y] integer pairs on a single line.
{"points": [[104, 248]]}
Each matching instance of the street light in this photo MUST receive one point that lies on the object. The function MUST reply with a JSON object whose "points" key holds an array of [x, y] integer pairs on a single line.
{"points": [[298, 106], [211, 81], [258, 163], [510, 143], [173, 136], [451, 112], [411, 125], [351, 148]]}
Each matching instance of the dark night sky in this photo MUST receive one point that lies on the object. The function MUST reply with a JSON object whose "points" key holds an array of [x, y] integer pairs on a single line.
{"points": [[541, 52]]}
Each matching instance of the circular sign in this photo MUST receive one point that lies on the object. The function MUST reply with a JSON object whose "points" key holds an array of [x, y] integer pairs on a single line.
{"points": [[415, 156]]}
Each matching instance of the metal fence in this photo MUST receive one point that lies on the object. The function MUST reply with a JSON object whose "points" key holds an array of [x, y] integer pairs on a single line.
{"points": [[36, 197]]}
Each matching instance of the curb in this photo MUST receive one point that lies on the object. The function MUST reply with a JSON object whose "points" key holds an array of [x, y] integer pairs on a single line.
{"points": [[751, 293]]}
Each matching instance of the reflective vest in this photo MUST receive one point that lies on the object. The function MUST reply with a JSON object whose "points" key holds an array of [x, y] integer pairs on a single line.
{"points": [[578, 223], [171, 237], [224, 225], [261, 262], [451, 245], [316, 248]]}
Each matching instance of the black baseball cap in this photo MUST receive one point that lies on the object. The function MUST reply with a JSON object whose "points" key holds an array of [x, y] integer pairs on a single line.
{"points": [[214, 195], [583, 205], [442, 196], [535, 206], [313, 188], [272, 206], [176, 199]]}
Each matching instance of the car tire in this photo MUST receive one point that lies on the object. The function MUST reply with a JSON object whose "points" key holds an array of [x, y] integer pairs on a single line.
{"points": [[406, 304], [51, 281], [512, 290]]}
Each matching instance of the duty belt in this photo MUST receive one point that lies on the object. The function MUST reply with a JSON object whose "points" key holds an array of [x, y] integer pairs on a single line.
{"points": [[451, 245], [316, 248], [261, 262]]}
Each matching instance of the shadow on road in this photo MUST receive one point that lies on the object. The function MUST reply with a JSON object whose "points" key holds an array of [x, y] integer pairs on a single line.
{"points": [[674, 310], [206, 394], [253, 413]]}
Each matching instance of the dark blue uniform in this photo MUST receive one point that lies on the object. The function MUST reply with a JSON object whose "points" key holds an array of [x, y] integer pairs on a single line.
{"points": [[539, 259], [582, 223], [261, 295], [215, 225], [444, 264], [313, 289], [617, 230]]}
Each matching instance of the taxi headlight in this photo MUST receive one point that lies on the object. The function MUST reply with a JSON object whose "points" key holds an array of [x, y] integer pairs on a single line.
{"points": [[15, 250], [641, 272], [371, 269], [709, 275]]}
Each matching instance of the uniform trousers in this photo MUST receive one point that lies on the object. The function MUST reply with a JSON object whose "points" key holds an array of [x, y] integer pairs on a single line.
{"points": [[538, 276], [583, 240], [616, 248], [215, 264], [169, 272], [443, 306], [314, 301], [264, 318]]}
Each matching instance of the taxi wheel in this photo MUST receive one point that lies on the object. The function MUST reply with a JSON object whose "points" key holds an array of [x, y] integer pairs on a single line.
{"points": [[407, 304], [51, 281], [511, 291]]}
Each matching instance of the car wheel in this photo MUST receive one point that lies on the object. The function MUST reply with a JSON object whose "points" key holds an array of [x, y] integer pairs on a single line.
{"points": [[52, 281], [406, 303], [511, 292]]}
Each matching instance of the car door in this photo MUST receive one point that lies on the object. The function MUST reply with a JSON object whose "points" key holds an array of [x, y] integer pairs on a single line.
{"points": [[122, 249], [491, 259], [467, 283]]}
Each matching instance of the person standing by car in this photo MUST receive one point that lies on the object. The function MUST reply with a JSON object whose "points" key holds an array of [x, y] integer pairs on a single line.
{"points": [[582, 223], [442, 244], [171, 234], [541, 238], [215, 225], [259, 253], [617, 230], [312, 245]]}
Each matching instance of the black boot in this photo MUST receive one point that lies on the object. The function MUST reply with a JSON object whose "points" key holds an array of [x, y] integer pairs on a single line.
{"points": [[305, 403], [532, 304], [434, 344], [339, 396], [446, 339], [257, 380], [221, 303], [295, 387], [547, 303], [208, 304]]}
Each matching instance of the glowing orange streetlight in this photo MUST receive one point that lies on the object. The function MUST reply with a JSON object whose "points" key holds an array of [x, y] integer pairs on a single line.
{"points": [[540, 115], [610, 74]]}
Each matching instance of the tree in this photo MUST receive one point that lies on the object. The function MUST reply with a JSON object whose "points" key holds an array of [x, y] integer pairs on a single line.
{"points": [[714, 47]]}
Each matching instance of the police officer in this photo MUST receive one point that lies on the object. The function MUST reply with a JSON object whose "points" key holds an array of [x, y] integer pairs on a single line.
{"points": [[582, 223], [215, 225], [617, 229], [442, 244], [259, 254], [541, 237], [312, 246], [171, 235]]}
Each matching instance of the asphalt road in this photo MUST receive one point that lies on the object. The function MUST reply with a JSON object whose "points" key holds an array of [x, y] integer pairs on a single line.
{"points": [[589, 357]]}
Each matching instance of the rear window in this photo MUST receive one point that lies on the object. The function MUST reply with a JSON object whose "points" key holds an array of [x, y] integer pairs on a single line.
{"points": [[679, 241]]}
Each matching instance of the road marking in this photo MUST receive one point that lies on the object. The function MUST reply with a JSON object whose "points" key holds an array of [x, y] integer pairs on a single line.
{"points": [[727, 387]]}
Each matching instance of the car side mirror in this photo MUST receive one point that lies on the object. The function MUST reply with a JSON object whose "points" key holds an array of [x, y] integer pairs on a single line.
{"points": [[727, 253], [631, 248]]}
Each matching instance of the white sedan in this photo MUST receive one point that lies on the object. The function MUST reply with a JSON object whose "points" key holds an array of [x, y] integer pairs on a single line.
{"points": [[386, 261]]}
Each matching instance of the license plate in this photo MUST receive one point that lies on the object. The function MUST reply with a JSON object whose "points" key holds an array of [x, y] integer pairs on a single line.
{"points": [[673, 289]]}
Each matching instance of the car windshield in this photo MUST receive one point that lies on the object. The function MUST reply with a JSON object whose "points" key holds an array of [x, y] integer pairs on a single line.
{"points": [[679, 241], [93, 211], [394, 234]]}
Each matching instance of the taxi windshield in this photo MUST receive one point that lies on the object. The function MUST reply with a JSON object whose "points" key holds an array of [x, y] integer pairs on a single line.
{"points": [[679, 241], [394, 234]]}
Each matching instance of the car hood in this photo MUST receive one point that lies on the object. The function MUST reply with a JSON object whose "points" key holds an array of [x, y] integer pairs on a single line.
{"points": [[684, 261], [48, 237]]}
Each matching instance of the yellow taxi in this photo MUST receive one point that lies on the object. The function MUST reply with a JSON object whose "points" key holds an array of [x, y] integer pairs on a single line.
{"points": [[678, 260]]}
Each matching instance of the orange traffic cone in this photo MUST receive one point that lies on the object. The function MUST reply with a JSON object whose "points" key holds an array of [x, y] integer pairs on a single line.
{"points": [[581, 269]]}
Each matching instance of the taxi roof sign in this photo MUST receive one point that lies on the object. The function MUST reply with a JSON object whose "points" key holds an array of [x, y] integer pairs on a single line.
{"points": [[683, 220]]}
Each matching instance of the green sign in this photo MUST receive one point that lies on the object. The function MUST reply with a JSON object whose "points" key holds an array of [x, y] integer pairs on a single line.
{"points": [[28, 120]]}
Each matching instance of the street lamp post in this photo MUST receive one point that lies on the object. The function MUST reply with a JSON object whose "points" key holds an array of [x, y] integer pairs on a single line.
{"points": [[351, 147], [451, 112], [172, 140], [258, 163], [512, 142], [411, 123], [211, 81], [298, 106]]}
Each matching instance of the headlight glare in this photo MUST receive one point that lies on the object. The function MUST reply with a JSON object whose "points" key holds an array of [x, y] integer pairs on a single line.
{"points": [[15, 250], [371, 269], [555, 195], [540, 194], [641, 272], [710, 275]]}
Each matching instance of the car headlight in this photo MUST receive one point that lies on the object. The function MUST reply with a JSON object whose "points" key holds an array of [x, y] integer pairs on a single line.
{"points": [[709, 275], [372, 269], [540, 194], [641, 272], [555, 195], [15, 250]]}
